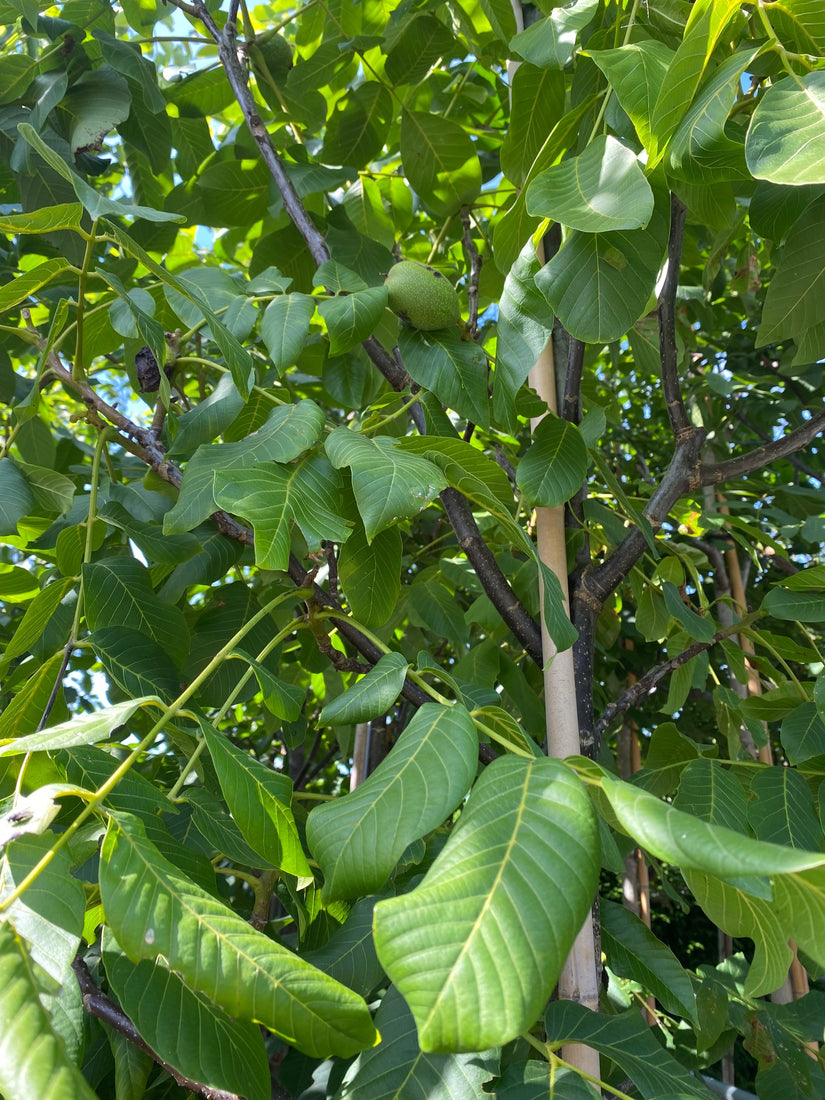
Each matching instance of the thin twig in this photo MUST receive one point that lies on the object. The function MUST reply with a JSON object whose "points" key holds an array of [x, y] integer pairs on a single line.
{"points": [[648, 683], [99, 1005], [759, 457]]}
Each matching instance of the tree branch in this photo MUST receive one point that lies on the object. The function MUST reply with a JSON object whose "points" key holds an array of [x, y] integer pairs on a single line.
{"points": [[647, 685], [571, 402], [715, 473], [99, 1005], [668, 351], [493, 581]]}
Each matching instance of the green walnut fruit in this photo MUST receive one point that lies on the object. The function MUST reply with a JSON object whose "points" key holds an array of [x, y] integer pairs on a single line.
{"points": [[421, 296]]}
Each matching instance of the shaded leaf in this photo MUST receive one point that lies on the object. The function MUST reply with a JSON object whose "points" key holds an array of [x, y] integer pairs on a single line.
{"points": [[153, 910], [371, 696]]}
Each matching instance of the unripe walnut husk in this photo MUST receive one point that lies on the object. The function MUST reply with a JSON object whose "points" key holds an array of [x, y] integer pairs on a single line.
{"points": [[421, 296]]}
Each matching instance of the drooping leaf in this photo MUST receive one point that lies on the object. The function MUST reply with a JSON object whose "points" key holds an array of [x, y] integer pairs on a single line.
{"points": [[398, 1067], [83, 729], [186, 1029], [153, 910], [370, 574], [260, 800], [33, 1059], [636, 72], [477, 947], [284, 327], [555, 465], [634, 952], [440, 161], [629, 1042], [359, 838], [372, 696]]}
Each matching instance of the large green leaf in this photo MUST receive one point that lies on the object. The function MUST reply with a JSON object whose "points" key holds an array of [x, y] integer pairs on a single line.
{"points": [[786, 136], [454, 369], [600, 190], [284, 327], [636, 72], [536, 102], [37, 615], [467, 469], [549, 43], [397, 1068], [701, 151], [555, 464], [84, 729], [692, 844], [135, 662], [261, 803], [27, 283], [209, 418], [535, 1080], [118, 592], [33, 1060], [634, 952], [477, 947], [186, 1029], [154, 911], [49, 915], [704, 28], [95, 104], [359, 838], [95, 203], [350, 318], [389, 484], [440, 161], [617, 269], [795, 605], [349, 954], [629, 1042], [287, 433], [372, 696], [272, 497], [741, 914], [370, 574], [525, 324], [357, 131]]}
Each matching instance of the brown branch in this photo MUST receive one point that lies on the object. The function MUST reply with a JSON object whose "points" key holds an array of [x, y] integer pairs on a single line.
{"points": [[716, 472], [797, 463], [103, 1008], [668, 351], [493, 581], [647, 685], [571, 402]]}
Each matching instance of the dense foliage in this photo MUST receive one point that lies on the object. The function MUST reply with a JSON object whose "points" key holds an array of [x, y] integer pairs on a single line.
{"points": [[279, 814]]}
